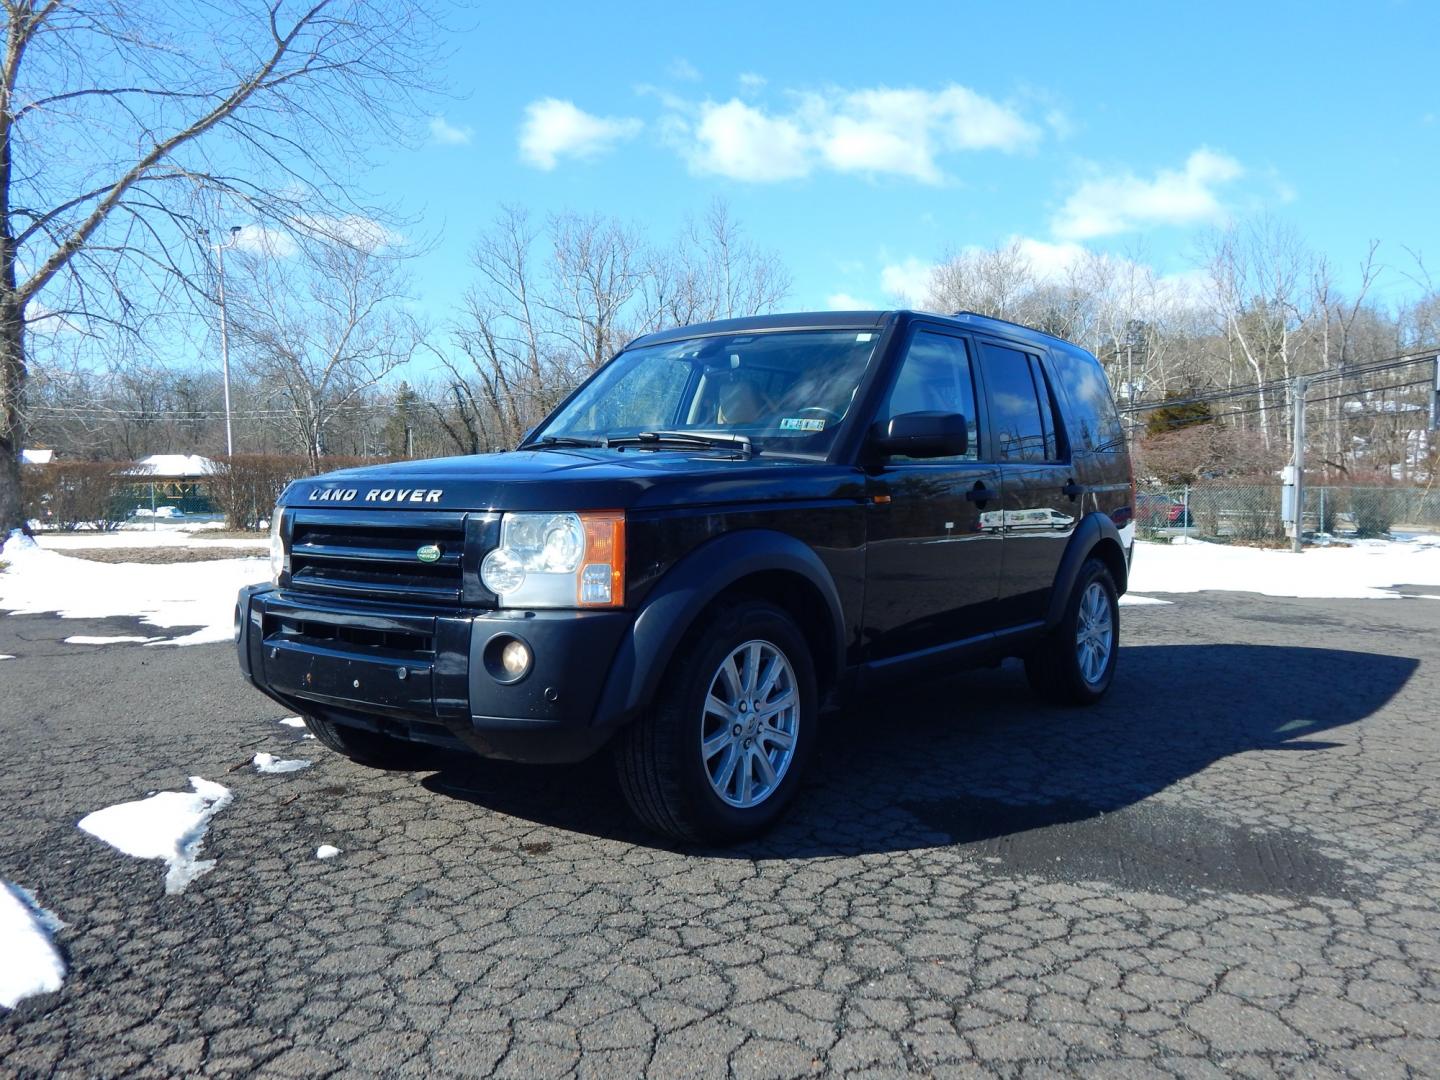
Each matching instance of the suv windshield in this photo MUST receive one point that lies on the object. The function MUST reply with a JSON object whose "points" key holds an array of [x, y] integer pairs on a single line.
{"points": [[784, 391]]}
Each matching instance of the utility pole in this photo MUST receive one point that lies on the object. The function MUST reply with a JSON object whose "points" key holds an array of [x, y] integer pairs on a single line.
{"points": [[224, 327], [1435, 398], [1292, 503]]}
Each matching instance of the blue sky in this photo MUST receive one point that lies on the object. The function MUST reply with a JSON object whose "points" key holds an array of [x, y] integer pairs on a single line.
{"points": [[861, 142]]}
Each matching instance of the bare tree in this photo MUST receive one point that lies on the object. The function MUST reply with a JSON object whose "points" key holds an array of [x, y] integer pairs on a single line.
{"points": [[596, 269], [124, 126], [1257, 271], [712, 271], [320, 326], [505, 332], [994, 281]]}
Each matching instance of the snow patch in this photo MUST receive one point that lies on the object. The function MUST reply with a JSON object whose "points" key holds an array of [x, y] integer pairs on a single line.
{"points": [[32, 963], [293, 721], [169, 825], [269, 763], [1135, 600], [6, 656], [1368, 570], [165, 595], [325, 851], [17, 541], [81, 639]]}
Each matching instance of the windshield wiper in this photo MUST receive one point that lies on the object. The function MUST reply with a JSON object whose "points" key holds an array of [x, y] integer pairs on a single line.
{"points": [[716, 439], [565, 440]]}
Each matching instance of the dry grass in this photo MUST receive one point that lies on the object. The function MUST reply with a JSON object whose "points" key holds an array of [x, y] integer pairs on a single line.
{"points": [[160, 554]]}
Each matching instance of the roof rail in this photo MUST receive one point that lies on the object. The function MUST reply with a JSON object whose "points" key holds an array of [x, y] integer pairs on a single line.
{"points": [[1007, 322]]}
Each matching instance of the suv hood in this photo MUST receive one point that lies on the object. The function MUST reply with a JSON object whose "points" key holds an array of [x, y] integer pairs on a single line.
{"points": [[568, 479]]}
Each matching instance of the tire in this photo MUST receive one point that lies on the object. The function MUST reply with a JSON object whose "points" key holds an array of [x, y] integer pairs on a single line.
{"points": [[366, 747], [1055, 669], [664, 773]]}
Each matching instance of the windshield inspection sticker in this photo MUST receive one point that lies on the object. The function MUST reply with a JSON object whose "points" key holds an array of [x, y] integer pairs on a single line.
{"points": [[797, 423]]}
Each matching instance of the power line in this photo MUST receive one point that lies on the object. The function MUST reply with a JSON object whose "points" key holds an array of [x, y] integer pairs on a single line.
{"points": [[1190, 422], [1281, 384]]}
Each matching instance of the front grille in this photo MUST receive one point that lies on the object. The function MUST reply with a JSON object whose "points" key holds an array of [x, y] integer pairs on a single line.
{"points": [[373, 555], [359, 638]]}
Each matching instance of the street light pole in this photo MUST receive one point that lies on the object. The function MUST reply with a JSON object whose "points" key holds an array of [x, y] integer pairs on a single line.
{"points": [[224, 329]]}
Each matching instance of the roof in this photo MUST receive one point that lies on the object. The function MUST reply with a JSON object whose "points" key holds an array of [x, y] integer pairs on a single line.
{"points": [[834, 320], [36, 457], [174, 467], [797, 320]]}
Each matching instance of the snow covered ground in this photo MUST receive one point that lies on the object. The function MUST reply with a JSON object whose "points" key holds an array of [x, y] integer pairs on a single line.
{"points": [[165, 595], [169, 825], [1367, 569], [29, 962]]}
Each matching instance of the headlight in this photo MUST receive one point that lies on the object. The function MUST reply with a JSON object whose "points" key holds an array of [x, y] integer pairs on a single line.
{"points": [[277, 546], [558, 561]]}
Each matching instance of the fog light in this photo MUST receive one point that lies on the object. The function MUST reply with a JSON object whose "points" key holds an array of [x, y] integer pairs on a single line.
{"points": [[515, 658]]}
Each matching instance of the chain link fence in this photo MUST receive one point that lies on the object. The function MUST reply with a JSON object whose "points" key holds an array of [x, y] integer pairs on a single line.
{"points": [[1250, 513]]}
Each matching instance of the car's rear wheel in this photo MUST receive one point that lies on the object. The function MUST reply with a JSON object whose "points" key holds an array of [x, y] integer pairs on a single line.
{"points": [[366, 747], [721, 752], [1076, 663]]}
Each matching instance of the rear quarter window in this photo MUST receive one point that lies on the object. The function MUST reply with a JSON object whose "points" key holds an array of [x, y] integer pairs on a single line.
{"points": [[1094, 424]]}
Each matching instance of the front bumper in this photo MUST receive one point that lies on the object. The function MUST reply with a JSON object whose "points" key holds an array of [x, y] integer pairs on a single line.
{"points": [[417, 673]]}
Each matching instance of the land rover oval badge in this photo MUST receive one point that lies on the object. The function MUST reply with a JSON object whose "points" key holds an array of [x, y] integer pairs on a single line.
{"points": [[429, 553]]}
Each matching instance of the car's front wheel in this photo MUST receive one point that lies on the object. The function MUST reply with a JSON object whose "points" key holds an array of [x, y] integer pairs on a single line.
{"points": [[721, 752], [1076, 663]]}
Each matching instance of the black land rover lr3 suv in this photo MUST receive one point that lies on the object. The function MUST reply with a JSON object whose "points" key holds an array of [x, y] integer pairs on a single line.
{"points": [[726, 527]]}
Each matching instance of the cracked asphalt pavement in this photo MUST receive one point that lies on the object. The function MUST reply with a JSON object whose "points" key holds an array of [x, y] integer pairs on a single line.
{"points": [[1230, 867]]}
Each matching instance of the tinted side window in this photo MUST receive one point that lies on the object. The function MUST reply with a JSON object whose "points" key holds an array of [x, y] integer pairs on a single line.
{"points": [[1095, 423], [935, 376], [1049, 415], [1014, 406]]}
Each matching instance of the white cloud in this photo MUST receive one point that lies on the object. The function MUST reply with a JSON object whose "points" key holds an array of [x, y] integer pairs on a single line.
{"points": [[843, 301], [265, 240], [554, 129], [447, 134], [1105, 205], [40, 319], [907, 282], [1059, 122], [751, 83], [743, 143], [683, 70], [1050, 260], [879, 131]]}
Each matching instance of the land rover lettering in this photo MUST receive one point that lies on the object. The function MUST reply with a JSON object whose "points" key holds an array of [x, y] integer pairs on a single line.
{"points": [[382, 495]]}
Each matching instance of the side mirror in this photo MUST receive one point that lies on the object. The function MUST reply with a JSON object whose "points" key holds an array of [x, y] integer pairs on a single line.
{"points": [[923, 435]]}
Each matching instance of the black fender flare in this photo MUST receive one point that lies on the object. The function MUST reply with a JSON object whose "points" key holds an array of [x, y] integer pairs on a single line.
{"points": [[685, 590], [1094, 530]]}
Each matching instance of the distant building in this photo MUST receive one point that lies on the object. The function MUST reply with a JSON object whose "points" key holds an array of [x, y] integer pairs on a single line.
{"points": [[179, 482]]}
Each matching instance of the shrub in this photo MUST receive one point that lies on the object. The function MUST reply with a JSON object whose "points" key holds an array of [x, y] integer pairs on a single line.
{"points": [[72, 494], [1374, 510], [247, 486]]}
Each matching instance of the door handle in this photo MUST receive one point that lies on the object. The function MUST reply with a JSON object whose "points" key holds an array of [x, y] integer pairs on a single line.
{"points": [[1072, 490], [980, 493]]}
